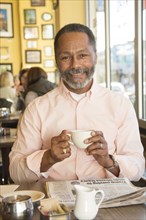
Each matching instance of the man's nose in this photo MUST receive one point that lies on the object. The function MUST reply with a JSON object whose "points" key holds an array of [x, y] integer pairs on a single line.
{"points": [[74, 62]]}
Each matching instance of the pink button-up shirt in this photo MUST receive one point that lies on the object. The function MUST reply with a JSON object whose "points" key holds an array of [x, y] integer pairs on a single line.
{"points": [[102, 110]]}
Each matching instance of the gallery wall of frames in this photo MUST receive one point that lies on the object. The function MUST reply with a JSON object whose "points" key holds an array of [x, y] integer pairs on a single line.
{"points": [[27, 30], [27, 33]]}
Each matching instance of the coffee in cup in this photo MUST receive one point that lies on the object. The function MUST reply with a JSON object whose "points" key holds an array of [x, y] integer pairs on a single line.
{"points": [[78, 137]]}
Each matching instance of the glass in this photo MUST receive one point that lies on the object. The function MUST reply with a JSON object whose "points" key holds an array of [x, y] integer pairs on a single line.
{"points": [[144, 59], [121, 49], [100, 42], [122, 34]]}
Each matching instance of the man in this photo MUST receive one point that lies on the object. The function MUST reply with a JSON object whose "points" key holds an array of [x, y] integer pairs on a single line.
{"points": [[42, 146]]}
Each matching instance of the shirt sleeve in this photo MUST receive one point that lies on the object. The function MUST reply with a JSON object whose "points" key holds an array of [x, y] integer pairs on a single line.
{"points": [[128, 146], [27, 151]]}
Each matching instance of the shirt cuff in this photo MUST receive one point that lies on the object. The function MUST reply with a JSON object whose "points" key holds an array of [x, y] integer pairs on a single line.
{"points": [[33, 161]]}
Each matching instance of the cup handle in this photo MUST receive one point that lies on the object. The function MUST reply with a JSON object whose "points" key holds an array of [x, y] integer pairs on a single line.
{"points": [[70, 142], [102, 197]]}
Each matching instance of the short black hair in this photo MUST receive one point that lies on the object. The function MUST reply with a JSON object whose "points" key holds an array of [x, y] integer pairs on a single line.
{"points": [[75, 27]]}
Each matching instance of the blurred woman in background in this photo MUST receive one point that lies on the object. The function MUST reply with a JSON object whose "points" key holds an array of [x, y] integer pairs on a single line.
{"points": [[37, 84], [20, 106], [16, 83]]}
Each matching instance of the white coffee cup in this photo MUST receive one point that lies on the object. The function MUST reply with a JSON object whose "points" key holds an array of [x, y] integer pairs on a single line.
{"points": [[78, 137]]}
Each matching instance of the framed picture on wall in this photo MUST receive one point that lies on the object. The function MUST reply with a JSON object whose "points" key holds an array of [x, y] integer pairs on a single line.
{"points": [[48, 51], [31, 33], [47, 31], [5, 67], [33, 56], [30, 16], [48, 63], [46, 16], [31, 44], [6, 20], [4, 53], [37, 2]]}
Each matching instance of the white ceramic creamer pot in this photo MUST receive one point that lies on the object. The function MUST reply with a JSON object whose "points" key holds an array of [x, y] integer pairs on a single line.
{"points": [[86, 207]]}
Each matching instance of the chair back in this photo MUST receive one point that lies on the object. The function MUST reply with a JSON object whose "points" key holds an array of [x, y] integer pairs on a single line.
{"points": [[5, 103]]}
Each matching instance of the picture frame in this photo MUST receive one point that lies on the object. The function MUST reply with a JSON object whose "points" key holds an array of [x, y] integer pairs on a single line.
{"points": [[33, 56], [38, 2], [31, 44], [4, 53], [31, 33], [6, 67], [48, 63], [29, 16], [48, 51], [55, 4], [46, 16], [47, 31], [6, 18]]}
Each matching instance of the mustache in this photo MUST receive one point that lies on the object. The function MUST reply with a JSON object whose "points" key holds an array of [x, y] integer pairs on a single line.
{"points": [[77, 71]]}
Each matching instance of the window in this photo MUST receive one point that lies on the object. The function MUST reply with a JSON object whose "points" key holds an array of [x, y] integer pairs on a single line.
{"points": [[144, 57], [100, 42], [121, 48], [122, 34]]}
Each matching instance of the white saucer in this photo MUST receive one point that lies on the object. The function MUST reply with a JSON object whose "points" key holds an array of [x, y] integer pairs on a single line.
{"points": [[35, 195]]}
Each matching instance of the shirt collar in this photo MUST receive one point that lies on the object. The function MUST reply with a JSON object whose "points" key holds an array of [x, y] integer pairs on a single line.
{"points": [[66, 92]]}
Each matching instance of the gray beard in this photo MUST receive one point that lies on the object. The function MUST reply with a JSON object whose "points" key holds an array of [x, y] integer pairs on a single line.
{"points": [[65, 76]]}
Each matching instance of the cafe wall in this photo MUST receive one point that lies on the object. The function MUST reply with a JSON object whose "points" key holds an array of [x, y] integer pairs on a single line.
{"points": [[35, 23], [70, 11], [37, 34], [10, 47]]}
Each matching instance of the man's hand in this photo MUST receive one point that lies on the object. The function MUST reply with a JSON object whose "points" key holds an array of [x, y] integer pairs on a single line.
{"points": [[60, 150], [60, 147], [98, 148]]}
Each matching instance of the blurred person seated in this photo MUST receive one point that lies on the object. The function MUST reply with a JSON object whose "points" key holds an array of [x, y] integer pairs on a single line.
{"points": [[23, 78], [7, 90], [42, 148], [37, 84], [21, 89], [16, 83]]}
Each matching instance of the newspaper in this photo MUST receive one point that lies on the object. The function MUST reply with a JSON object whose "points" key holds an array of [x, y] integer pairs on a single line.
{"points": [[118, 191]]}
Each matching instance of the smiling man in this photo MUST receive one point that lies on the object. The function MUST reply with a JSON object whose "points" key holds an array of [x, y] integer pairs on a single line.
{"points": [[76, 59], [42, 148]]}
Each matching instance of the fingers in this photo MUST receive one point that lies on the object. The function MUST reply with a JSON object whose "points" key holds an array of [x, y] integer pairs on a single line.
{"points": [[60, 153], [97, 136], [96, 149], [60, 148], [65, 152], [62, 137], [100, 146], [97, 144]]}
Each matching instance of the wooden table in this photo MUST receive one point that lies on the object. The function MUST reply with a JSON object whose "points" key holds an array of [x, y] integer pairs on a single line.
{"points": [[133, 212], [6, 143]]}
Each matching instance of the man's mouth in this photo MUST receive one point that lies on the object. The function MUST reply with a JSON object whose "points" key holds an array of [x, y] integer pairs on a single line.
{"points": [[77, 71], [77, 75]]}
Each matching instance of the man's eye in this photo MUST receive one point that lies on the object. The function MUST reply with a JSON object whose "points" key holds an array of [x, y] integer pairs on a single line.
{"points": [[65, 58], [82, 56]]}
